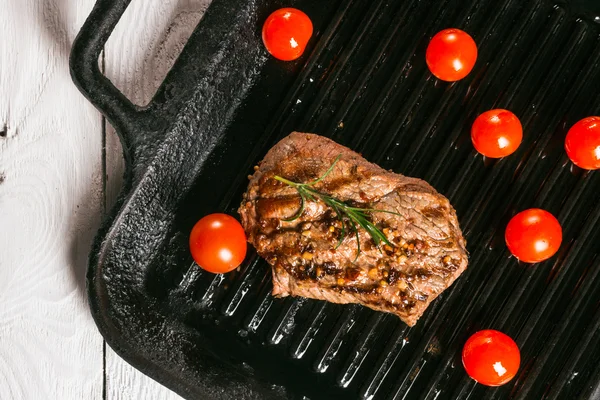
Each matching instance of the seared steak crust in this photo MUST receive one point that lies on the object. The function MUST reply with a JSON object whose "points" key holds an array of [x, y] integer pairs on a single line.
{"points": [[427, 256]]}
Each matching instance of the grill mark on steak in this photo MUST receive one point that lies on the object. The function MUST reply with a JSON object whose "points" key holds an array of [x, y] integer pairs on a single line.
{"points": [[428, 253]]}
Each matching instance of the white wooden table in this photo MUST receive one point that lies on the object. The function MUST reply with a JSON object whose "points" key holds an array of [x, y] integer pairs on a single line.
{"points": [[60, 171]]}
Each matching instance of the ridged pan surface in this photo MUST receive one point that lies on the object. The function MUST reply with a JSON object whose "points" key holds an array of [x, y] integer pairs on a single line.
{"points": [[364, 83]]}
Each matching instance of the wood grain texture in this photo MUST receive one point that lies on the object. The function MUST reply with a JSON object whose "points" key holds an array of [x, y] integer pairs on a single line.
{"points": [[138, 55], [50, 207]]}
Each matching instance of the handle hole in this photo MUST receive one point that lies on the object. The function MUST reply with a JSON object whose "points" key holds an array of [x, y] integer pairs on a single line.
{"points": [[145, 44], [136, 58]]}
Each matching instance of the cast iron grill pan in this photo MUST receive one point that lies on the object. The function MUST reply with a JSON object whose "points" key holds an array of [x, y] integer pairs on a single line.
{"points": [[363, 82]]}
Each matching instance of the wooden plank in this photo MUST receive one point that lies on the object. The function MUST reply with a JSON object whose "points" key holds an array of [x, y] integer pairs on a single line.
{"points": [[138, 55], [50, 207]]}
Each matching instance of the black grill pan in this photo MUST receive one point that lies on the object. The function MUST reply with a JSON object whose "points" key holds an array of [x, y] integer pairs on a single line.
{"points": [[363, 81]]}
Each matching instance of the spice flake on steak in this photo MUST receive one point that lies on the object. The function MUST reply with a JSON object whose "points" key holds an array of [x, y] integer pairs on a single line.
{"points": [[315, 253]]}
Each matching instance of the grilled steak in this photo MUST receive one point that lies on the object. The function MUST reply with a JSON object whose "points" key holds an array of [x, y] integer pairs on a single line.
{"points": [[317, 256]]}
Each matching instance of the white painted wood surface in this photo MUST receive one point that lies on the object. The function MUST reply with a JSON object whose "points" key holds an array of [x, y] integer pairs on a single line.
{"points": [[51, 190], [50, 207]]}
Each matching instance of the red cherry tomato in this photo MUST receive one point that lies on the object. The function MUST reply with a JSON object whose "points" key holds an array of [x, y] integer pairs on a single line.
{"points": [[533, 235], [451, 54], [286, 33], [491, 358], [496, 133], [218, 243], [583, 143]]}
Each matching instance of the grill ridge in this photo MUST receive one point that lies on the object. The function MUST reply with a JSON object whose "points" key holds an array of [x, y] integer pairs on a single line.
{"points": [[342, 60], [360, 350], [305, 338], [557, 333], [379, 106]]}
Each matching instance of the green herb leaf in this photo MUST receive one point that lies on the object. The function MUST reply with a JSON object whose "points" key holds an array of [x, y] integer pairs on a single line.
{"points": [[349, 216], [300, 211]]}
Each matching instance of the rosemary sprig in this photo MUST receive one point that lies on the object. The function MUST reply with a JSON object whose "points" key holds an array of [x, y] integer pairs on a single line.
{"points": [[349, 216]]}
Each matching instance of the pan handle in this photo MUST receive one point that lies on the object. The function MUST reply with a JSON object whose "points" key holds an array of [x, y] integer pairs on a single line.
{"points": [[123, 115]]}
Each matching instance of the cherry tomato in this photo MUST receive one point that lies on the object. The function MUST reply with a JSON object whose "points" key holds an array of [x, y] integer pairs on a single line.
{"points": [[496, 133], [583, 143], [286, 33], [491, 358], [451, 54], [533, 235], [218, 243]]}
